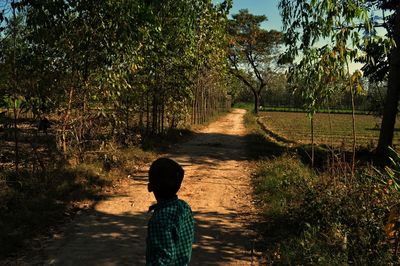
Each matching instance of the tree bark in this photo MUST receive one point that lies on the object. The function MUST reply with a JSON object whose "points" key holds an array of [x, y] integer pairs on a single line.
{"points": [[141, 108], [312, 141], [392, 96], [16, 148], [256, 102], [147, 112], [15, 84], [353, 121], [154, 114], [65, 121]]}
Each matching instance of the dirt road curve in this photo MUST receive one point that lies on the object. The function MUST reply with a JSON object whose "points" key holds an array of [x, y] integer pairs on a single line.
{"points": [[216, 185]]}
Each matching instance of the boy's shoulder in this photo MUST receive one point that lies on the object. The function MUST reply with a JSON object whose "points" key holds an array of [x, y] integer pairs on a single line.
{"points": [[170, 204], [184, 204], [171, 208]]}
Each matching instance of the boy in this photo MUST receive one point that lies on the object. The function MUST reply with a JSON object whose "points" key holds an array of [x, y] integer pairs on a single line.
{"points": [[170, 229]]}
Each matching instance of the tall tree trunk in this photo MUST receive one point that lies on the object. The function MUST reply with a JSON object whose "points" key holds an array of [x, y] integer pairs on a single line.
{"points": [[353, 120], [194, 106], [66, 118], [163, 113], [256, 102], [15, 84], [312, 141], [127, 113], [141, 107], [15, 111], [147, 112], [392, 97], [154, 115], [202, 107]]}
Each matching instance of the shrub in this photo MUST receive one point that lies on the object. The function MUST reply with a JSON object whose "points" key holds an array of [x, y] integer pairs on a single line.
{"points": [[324, 219], [343, 223]]}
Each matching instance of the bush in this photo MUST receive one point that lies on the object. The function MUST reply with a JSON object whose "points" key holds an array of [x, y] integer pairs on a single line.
{"points": [[323, 220], [343, 223]]}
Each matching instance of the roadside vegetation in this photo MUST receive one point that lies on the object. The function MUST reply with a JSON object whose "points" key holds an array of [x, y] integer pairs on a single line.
{"points": [[324, 215], [34, 205], [90, 91]]}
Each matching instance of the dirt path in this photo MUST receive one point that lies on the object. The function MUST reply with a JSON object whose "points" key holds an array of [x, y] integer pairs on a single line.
{"points": [[216, 185]]}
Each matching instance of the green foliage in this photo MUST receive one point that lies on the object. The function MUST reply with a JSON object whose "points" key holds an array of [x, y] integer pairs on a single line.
{"points": [[244, 105], [348, 220], [308, 22], [376, 61], [144, 67], [301, 110], [276, 182], [390, 178], [327, 220]]}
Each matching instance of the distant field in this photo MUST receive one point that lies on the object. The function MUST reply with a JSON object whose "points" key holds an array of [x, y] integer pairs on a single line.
{"points": [[334, 129]]}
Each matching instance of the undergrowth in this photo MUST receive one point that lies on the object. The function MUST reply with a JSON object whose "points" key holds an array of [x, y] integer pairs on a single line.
{"points": [[33, 202], [323, 217]]}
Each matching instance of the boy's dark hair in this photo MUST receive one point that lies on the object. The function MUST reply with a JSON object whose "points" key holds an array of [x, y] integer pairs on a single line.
{"points": [[165, 177]]}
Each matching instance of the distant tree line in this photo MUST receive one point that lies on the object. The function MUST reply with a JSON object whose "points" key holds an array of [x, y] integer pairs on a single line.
{"points": [[281, 94]]}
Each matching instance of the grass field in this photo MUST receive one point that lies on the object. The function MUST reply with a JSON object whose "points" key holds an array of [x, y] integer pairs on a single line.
{"points": [[334, 129]]}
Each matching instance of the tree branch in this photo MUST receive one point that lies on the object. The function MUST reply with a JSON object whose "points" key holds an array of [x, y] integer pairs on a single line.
{"points": [[256, 72], [236, 72]]}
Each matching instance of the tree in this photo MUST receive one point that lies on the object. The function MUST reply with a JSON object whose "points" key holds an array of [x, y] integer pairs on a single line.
{"points": [[309, 21], [121, 68], [12, 63], [381, 53], [209, 89], [313, 83], [252, 51], [384, 66]]}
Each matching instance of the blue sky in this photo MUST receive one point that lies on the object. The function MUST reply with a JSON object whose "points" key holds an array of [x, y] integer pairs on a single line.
{"points": [[260, 7]]}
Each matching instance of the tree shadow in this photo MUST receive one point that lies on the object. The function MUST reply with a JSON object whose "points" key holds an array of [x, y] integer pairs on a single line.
{"points": [[218, 241], [100, 238], [210, 149], [32, 203]]}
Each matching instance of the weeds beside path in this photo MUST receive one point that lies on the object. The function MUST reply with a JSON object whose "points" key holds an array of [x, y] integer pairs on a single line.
{"points": [[322, 215], [216, 185]]}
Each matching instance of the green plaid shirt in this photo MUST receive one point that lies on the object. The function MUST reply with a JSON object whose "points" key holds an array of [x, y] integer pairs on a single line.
{"points": [[170, 233]]}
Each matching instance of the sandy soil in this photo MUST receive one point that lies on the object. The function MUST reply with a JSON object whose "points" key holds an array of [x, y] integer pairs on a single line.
{"points": [[216, 185]]}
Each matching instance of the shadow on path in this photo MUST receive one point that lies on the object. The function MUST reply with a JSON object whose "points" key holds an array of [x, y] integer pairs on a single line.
{"points": [[107, 239]]}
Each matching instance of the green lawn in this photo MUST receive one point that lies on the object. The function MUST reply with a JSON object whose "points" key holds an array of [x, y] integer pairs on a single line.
{"points": [[334, 129]]}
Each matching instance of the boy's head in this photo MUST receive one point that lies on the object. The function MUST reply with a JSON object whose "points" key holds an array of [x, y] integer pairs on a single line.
{"points": [[165, 178]]}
